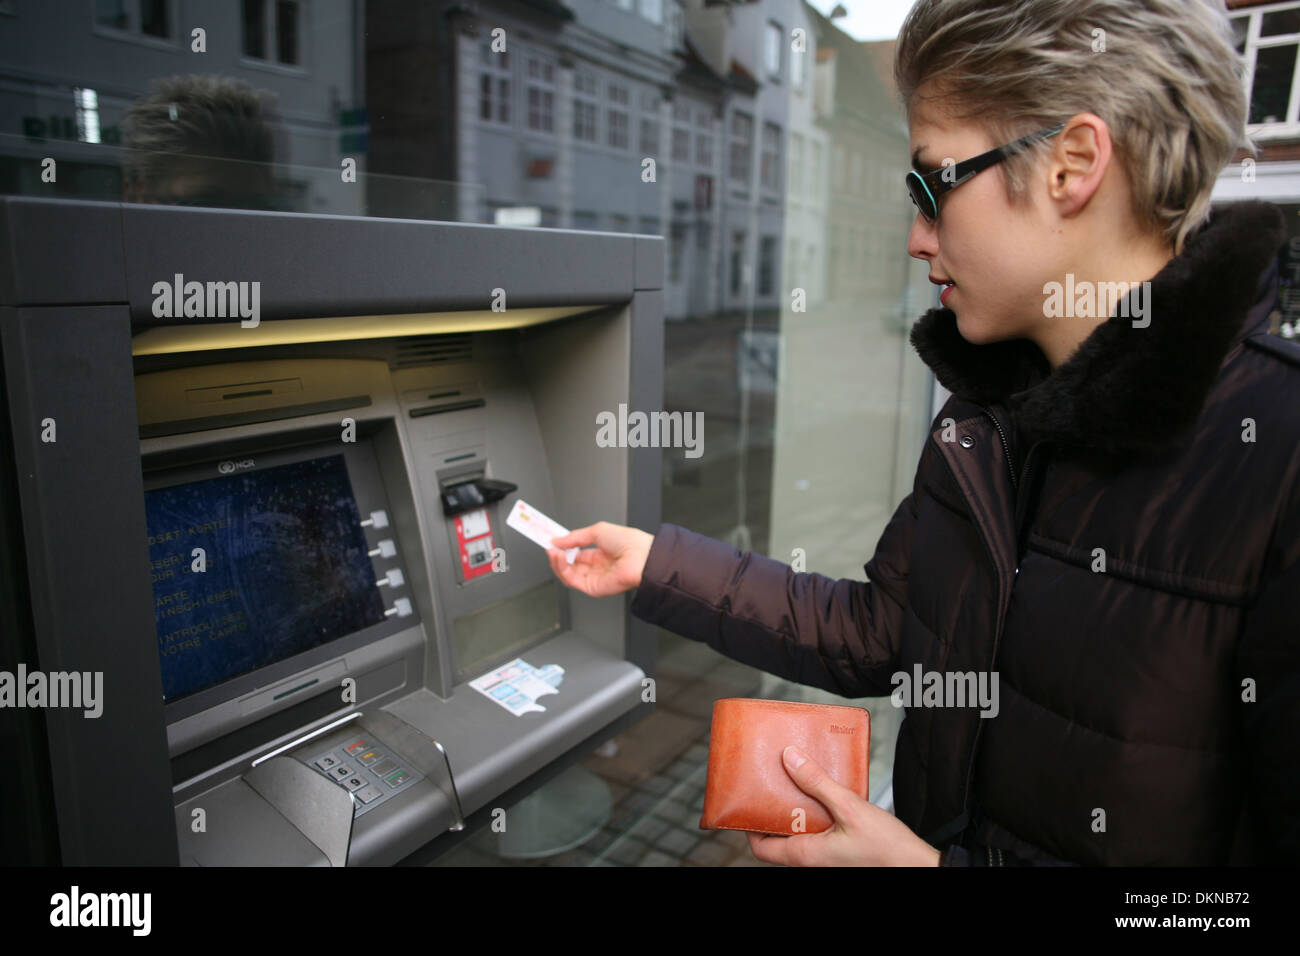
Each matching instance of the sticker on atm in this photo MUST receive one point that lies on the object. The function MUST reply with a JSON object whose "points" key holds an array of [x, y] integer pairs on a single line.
{"points": [[474, 543], [517, 685]]}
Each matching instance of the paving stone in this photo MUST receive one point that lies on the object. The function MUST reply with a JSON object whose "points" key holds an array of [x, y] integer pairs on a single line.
{"points": [[626, 852], [711, 853], [678, 842], [655, 858]]}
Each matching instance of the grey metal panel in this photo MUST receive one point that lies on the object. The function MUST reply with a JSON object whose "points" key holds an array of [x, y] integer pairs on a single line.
{"points": [[310, 265], [491, 749], [55, 252], [242, 829], [650, 253], [645, 465], [82, 500]]}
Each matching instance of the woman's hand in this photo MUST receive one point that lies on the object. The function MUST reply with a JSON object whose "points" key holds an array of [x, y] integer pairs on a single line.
{"points": [[612, 567], [862, 834]]}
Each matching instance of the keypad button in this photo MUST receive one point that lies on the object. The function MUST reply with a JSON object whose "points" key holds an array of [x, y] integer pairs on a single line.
{"points": [[396, 779], [327, 762], [341, 772], [369, 794]]}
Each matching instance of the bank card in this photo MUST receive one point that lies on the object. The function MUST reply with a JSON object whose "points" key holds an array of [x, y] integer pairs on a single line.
{"points": [[538, 528]]}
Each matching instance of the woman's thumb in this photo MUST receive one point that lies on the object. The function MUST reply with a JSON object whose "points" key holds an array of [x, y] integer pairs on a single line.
{"points": [[575, 539]]}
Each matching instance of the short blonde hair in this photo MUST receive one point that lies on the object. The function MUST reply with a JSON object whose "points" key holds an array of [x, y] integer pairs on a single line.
{"points": [[1163, 74]]}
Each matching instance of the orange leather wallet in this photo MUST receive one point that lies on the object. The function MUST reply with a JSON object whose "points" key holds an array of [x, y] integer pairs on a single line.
{"points": [[748, 786]]}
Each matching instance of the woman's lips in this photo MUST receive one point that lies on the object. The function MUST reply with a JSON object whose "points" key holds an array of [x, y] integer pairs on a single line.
{"points": [[946, 294]]}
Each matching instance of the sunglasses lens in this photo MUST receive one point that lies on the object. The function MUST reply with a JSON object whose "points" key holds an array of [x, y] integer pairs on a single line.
{"points": [[920, 196]]}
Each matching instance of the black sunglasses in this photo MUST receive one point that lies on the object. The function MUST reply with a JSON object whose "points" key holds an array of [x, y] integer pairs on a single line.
{"points": [[926, 188]]}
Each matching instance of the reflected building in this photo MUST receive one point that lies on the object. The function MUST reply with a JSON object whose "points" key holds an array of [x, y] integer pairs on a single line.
{"points": [[73, 72]]}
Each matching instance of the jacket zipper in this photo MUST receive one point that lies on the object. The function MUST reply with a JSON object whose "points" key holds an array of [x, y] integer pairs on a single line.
{"points": [[1006, 446]]}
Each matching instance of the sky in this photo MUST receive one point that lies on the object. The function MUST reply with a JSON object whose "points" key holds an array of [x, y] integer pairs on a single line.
{"points": [[868, 19]]}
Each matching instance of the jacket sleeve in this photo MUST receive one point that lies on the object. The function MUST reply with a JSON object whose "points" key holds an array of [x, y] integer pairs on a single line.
{"points": [[1269, 653], [839, 635]]}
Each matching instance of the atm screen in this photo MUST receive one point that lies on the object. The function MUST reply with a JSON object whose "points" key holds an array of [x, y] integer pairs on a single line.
{"points": [[286, 569]]}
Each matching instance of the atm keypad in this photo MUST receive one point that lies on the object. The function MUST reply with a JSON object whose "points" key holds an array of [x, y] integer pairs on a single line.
{"points": [[367, 769]]}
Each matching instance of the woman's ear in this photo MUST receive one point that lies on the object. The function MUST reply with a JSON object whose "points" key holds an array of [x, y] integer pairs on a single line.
{"points": [[1078, 163]]}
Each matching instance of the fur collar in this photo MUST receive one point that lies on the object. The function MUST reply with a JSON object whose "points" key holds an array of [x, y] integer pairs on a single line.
{"points": [[1129, 391]]}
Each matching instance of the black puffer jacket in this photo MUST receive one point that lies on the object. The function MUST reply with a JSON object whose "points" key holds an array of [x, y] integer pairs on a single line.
{"points": [[1118, 541]]}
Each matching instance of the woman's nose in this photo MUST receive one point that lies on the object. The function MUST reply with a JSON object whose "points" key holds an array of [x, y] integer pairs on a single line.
{"points": [[922, 240]]}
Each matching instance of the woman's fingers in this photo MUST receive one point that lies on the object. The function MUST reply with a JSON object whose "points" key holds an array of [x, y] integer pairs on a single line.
{"points": [[577, 538]]}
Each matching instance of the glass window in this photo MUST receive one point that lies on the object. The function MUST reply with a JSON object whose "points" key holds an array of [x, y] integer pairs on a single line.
{"points": [[681, 144], [704, 150], [766, 265], [255, 29], [742, 144], [649, 137], [771, 161], [154, 21], [428, 118], [1280, 22], [112, 14], [1270, 93], [737, 261], [772, 50], [286, 31]]}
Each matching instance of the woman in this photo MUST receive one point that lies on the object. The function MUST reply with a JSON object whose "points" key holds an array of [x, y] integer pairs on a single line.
{"points": [[1105, 521]]}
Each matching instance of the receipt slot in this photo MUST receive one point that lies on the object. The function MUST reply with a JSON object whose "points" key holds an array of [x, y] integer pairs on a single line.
{"points": [[283, 543]]}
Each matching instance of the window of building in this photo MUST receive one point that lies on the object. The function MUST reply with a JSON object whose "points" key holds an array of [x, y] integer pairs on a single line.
{"points": [[143, 18], [494, 86], [676, 25], [618, 116], [649, 226], [771, 159], [775, 40], [737, 260], [649, 124], [541, 95], [796, 164], [681, 145], [798, 62], [1269, 40], [619, 222], [676, 247], [584, 106], [815, 170], [704, 150], [652, 10], [766, 265], [272, 31], [681, 132], [742, 146], [649, 137]]}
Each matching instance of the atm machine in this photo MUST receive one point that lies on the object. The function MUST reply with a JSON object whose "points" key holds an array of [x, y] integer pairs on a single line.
{"points": [[256, 470]]}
